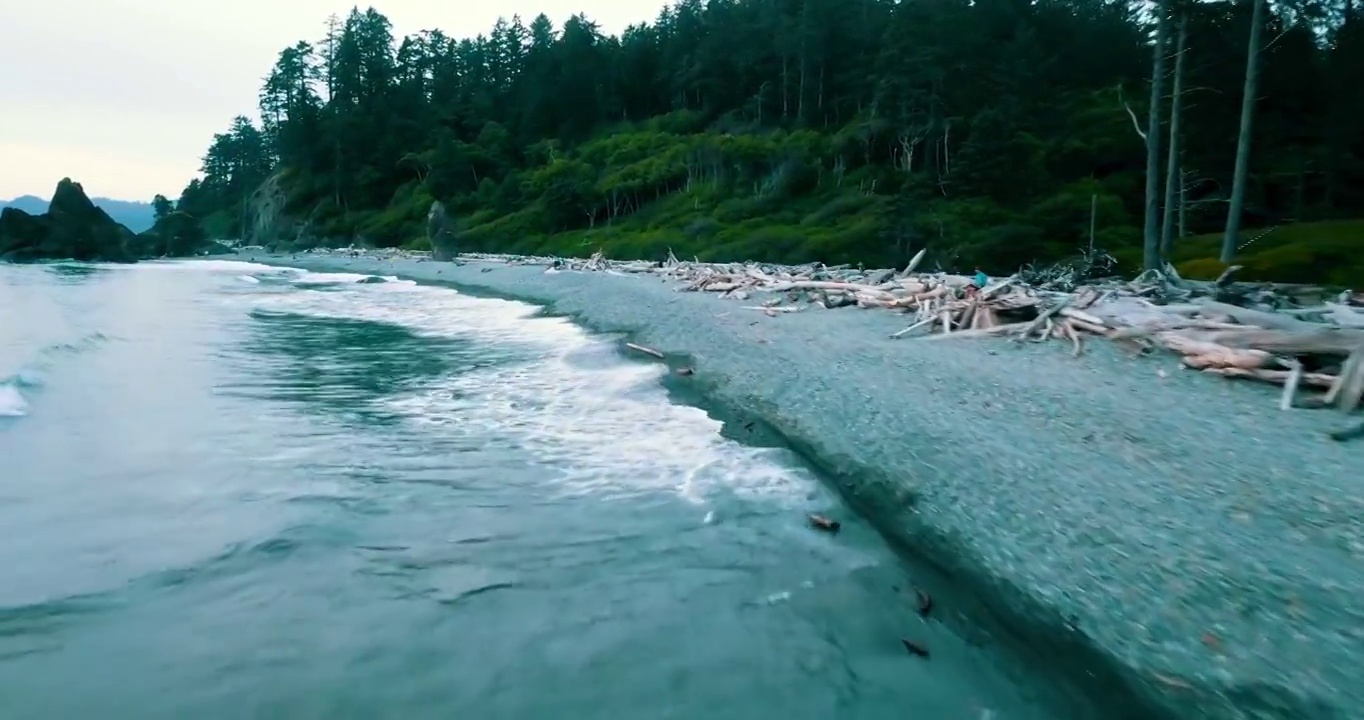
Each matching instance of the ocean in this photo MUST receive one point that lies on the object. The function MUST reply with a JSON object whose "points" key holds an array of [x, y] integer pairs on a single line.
{"points": [[231, 490]]}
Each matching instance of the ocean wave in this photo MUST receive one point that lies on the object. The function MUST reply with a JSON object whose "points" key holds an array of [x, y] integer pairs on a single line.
{"points": [[307, 277], [235, 266], [48, 616], [69, 272], [603, 423], [84, 343], [14, 401], [609, 430]]}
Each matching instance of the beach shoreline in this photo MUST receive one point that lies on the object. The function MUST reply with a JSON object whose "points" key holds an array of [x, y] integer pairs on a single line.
{"points": [[1177, 532]]}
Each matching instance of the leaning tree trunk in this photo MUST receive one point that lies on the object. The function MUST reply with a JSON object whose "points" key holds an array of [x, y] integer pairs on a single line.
{"points": [[1238, 181], [1172, 169], [1151, 228]]}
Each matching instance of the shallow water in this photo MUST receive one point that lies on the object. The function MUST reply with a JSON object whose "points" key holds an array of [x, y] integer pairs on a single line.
{"points": [[229, 490]]}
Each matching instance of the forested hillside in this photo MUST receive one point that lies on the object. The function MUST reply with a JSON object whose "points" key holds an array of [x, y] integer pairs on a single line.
{"points": [[994, 132]]}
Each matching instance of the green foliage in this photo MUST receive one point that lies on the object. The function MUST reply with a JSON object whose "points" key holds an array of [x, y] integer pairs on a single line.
{"points": [[1331, 253], [161, 207], [994, 134], [400, 221]]}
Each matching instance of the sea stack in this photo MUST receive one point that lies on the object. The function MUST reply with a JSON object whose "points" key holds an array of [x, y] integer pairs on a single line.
{"points": [[73, 227], [438, 233]]}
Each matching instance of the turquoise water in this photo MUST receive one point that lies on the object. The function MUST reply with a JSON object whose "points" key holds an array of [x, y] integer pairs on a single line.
{"points": [[233, 491]]}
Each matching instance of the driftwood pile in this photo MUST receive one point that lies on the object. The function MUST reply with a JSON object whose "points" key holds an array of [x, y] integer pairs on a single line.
{"points": [[1299, 337], [1294, 336]]}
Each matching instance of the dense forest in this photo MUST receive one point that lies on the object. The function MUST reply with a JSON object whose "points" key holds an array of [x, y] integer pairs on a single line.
{"points": [[994, 132]]}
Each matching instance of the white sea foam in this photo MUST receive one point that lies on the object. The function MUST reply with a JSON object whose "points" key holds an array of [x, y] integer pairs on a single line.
{"points": [[235, 266], [603, 423], [12, 402], [327, 278]]}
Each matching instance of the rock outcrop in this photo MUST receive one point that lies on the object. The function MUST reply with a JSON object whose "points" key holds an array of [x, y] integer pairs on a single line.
{"points": [[177, 235], [438, 233], [267, 223], [73, 227]]}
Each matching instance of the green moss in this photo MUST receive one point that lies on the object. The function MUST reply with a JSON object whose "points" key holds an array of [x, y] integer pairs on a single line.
{"points": [[1201, 269], [1326, 253]]}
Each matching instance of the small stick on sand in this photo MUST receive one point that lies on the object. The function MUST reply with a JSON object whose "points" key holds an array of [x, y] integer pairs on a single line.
{"points": [[1290, 387], [913, 327], [645, 350]]}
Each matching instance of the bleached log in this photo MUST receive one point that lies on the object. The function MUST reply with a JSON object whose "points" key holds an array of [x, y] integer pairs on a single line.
{"points": [[914, 262], [985, 318], [1258, 318], [645, 350], [1319, 380], [1348, 388], [1081, 315], [1290, 386], [820, 285], [1315, 340], [1041, 319], [912, 328], [937, 292], [1074, 338], [980, 332], [1344, 315], [1202, 354]]}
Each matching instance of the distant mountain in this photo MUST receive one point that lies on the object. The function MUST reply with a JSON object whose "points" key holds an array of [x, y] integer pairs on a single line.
{"points": [[136, 216], [31, 204]]}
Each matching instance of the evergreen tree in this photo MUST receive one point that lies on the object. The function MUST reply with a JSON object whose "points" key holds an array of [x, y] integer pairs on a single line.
{"points": [[832, 130]]}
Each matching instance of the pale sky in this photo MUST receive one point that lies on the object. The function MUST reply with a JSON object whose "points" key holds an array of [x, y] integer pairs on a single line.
{"points": [[124, 96]]}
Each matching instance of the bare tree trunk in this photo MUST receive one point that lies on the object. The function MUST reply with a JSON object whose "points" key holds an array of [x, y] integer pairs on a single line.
{"points": [[1093, 218], [1151, 228], [1239, 176], [1167, 227], [823, 116], [333, 22], [1183, 202], [785, 106]]}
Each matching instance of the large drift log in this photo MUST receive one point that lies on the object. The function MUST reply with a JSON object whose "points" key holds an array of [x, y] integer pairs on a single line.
{"points": [[1348, 389], [1315, 340], [1259, 318]]}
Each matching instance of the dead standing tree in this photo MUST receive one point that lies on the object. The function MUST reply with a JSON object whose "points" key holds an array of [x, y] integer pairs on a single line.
{"points": [[1240, 174], [1174, 178], [1151, 226]]}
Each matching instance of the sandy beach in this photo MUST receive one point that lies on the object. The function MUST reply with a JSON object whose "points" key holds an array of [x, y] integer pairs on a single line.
{"points": [[1174, 533]]}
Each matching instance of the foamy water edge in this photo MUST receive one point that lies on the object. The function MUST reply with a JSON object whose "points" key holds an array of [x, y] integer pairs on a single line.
{"points": [[608, 429]]}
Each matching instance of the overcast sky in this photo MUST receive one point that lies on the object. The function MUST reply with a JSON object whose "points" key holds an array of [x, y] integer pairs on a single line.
{"points": [[124, 96]]}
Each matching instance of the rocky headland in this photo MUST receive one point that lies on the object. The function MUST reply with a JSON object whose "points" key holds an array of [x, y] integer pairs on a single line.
{"points": [[75, 228]]}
